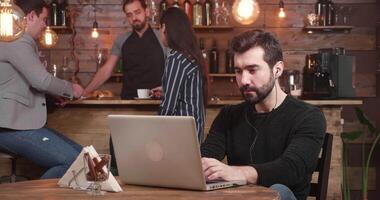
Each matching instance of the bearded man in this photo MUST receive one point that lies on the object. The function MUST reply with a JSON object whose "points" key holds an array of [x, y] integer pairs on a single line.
{"points": [[141, 52], [271, 139]]}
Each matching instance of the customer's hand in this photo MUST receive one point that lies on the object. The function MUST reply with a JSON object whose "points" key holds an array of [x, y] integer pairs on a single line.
{"points": [[156, 92], [214, 170], [77, 90]]}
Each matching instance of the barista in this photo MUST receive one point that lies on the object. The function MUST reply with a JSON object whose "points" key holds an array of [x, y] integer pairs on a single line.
{"points": [[140, 51]]}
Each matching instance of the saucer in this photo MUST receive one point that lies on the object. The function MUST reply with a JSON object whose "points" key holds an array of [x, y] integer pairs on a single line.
{"points": [[146, 98]]}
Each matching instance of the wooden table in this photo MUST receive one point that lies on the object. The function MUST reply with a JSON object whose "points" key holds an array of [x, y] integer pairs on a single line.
{"points": [[48, 189]]}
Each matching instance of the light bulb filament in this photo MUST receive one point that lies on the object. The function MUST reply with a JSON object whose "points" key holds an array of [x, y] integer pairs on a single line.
{"points": [[94, 33], [245, 9], [48, 38], [6, 22], [281, 13]]}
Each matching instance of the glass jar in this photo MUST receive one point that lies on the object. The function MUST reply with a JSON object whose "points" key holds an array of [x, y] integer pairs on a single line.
{"points": [[294, 82]]}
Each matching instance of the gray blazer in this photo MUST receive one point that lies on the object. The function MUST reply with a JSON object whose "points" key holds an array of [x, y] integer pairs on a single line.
{"points": [[23, 84]]}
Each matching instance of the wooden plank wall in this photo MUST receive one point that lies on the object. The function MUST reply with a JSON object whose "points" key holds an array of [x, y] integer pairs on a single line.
{"points": [[360, 42]]}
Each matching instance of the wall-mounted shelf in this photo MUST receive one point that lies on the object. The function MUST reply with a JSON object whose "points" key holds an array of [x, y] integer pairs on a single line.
{"points": [[62, 29], [213, 28], [221, 75], [230, 76], [327, 29]]}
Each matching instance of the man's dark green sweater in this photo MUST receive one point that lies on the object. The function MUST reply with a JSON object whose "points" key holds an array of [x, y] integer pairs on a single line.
{"points": [[282, 145]]}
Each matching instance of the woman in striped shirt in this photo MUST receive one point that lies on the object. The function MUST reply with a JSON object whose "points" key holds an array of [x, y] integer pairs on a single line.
{"points": [[184, 82]]}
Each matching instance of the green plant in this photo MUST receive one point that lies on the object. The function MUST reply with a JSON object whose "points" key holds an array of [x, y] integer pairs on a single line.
{"points": [[370, 130]]}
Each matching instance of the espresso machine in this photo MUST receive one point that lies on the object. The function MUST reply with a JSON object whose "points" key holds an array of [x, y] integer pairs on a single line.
{"points": [[329, 74]]}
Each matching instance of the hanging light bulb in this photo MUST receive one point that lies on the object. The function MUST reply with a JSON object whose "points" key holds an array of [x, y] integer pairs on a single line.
{"points": [[95, 33], [245, 11], [48, 38], [281, 13], [12, 21]]}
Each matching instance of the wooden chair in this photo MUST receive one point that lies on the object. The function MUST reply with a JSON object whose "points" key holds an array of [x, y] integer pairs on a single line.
{"points": [[319, 189], [12, 178]]}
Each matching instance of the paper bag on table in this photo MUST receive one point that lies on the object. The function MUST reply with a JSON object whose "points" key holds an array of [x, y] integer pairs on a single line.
{"points": [[75, 176]]}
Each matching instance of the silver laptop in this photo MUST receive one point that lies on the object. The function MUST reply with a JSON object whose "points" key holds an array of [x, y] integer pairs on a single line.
{"points": [[160, 151]]}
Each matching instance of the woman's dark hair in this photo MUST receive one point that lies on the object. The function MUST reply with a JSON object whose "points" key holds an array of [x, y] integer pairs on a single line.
{"points": [[180, 36], [28, 6], [142, 2], [259, 38]]}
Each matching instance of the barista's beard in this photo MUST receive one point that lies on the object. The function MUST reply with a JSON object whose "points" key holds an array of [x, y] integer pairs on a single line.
{"points": [[138, 27], [260, 93]]}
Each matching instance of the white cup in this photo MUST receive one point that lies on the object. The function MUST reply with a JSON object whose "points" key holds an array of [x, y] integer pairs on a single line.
{"points": [[143, 93]]}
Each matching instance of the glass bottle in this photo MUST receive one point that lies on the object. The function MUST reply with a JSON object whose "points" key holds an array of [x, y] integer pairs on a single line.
{"points": [[204, 52], [163, 7], [62, 13], [320, 11], [330, 13], [229, 58], [54, 13], [154, 13], [188, 8], [226, 9], [207, 12], [197, 13], [214, 58], [175, 4]]}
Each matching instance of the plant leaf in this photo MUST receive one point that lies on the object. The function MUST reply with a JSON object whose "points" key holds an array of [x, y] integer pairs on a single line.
{"points": [[363, 119], [352, 135]]}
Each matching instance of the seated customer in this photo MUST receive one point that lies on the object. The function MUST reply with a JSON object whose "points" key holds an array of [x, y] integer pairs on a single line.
{"points": [[271, 139], [23, 84]]}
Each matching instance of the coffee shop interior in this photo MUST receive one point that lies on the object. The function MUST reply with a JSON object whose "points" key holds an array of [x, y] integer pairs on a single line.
{"points": [[340, 50]]}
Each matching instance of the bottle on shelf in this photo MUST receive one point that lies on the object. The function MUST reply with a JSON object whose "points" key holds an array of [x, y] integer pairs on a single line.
{"points": [[204, 52], [214, 58], [175, 4], [54, 14], [63, 16], [330, 13], [197, 13], [325, 11], [188, 8], [163, 6], [229, 59], [119, 67], [154, 18], [207, 13]]}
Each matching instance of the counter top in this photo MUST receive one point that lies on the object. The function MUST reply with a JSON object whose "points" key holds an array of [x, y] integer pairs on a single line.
{"points": [[118, 101]]}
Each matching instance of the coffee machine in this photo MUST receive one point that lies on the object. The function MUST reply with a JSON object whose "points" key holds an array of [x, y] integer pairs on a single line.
{"points": [[329, 74]]}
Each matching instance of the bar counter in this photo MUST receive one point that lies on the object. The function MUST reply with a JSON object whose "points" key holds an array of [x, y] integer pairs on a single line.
{"points": [[118, 101], [86, 120]]}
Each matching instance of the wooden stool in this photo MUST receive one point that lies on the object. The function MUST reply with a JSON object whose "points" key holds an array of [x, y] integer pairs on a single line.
{"points": [[12, 178]]}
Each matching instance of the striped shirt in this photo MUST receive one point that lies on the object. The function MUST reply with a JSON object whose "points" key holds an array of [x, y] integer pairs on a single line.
{"points": [[183, 90]]}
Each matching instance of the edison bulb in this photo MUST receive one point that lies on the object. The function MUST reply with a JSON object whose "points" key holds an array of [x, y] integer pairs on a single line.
{"points": [[245, 11], [281, 13], [48, 38], [12, 21], [94, 33]]}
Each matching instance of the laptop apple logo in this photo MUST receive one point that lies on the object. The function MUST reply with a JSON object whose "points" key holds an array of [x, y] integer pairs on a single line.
{"points": [[154, 151]]}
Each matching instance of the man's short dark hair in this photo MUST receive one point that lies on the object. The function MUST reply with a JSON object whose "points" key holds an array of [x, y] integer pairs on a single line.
{"points": [[142, 2], [259, 38], [28, 6]]}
